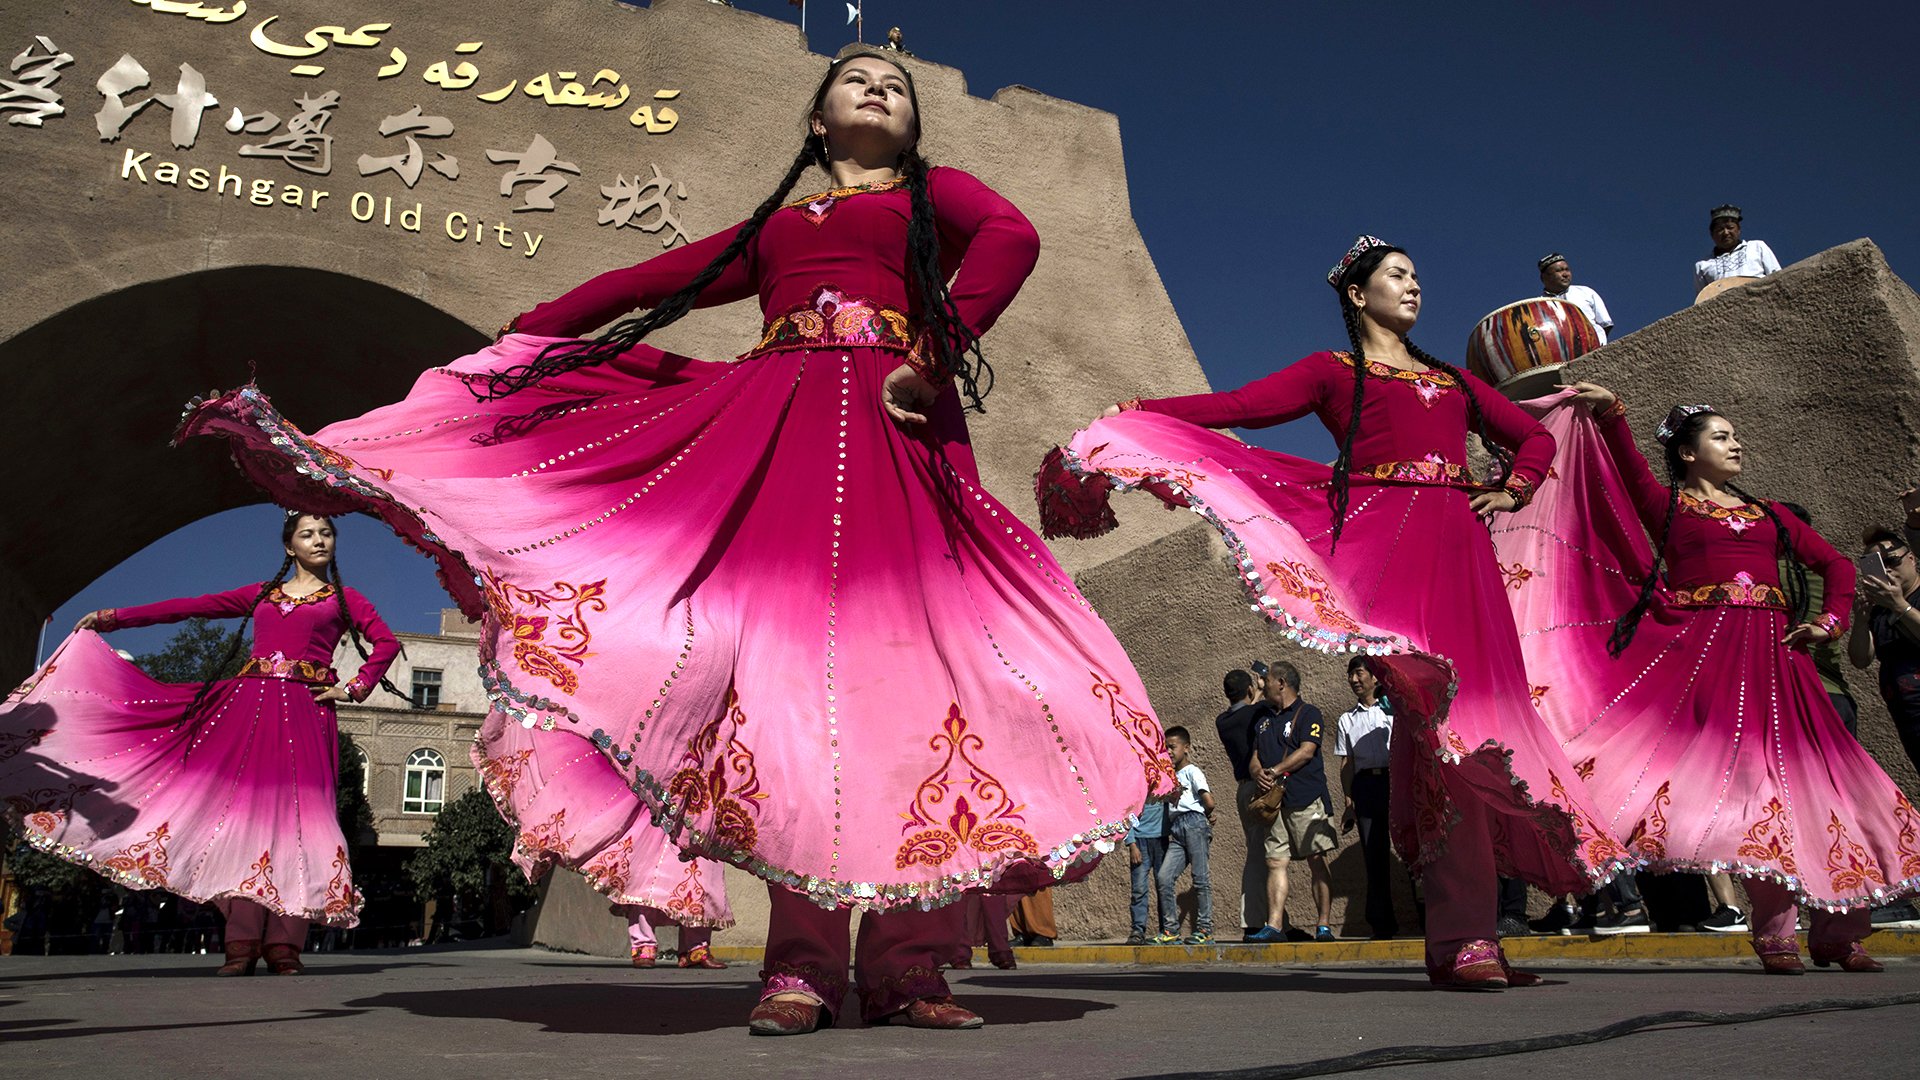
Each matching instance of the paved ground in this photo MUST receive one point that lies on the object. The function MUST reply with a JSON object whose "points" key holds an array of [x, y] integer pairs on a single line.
{"points": [[475, 1013]]}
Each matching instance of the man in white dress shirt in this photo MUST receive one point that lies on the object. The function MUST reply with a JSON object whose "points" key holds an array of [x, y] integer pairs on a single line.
{"points": [[1362, 742], [1556, 282], [1732, 256]]}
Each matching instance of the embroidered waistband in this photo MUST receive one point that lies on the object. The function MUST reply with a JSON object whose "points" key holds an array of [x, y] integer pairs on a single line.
{"points": [[279, 667], [1443, 473], [1732, 594], [832, 318]]}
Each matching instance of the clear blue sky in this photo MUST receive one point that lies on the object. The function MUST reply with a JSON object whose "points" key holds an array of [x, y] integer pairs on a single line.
{"points": [[1261, 136]]}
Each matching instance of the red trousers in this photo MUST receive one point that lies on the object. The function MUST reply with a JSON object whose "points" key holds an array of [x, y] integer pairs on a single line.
{"points": [[1775, 916], [248, 921], [896, 961]]}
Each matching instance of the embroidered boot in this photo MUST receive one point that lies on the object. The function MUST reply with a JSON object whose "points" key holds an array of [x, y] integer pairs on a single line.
{"points": [[1517, 979], [645, 956], [700, 956], [1849, 955], [242, 958], [1779, 955], [284, 960], [939, 1013], [1476, 966], [789, 1014]]}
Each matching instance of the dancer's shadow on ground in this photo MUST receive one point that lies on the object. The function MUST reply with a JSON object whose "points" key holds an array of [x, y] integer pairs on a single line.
{"points": [[1342, 980], [322, 970], [1213, 981], [17, 1031], [600, 1009]]}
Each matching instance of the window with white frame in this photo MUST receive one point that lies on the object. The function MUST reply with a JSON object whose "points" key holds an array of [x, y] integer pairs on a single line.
{"points": [[426, 782], [426, 688], [362, 766]]}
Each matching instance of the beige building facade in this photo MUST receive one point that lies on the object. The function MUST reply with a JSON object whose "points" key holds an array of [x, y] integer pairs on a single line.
{"points": [[414, 749]]}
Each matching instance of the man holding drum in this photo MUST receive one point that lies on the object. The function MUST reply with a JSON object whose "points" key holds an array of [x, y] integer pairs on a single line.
{"points": [[1556, 283]]}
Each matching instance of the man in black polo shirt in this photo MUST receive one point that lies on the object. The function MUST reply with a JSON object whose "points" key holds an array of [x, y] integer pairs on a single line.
{"points": [[1236, 737], [1889, 631], [1287, 737]]}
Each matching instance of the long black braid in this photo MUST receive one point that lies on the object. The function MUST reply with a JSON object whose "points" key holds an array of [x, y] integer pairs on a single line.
{"points": [[1796, 587], [353, 628], [564, 356], [1340, 490], [957, 348], [1339, 493]]}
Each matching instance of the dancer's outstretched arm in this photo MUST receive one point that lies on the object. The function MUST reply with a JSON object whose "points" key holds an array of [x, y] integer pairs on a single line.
{"points": [[643, 285], [231, 604], [1288, 394]]}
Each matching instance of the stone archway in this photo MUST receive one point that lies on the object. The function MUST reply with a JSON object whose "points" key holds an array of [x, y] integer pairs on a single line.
{"points": [[88, 398]]}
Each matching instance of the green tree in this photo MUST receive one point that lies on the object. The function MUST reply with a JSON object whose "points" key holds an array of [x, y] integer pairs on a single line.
{"points": [[196, 652], [469, 849], [349, 796], [64, 881]]}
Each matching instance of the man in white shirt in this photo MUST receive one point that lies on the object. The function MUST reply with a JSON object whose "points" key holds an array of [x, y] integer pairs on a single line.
{"points": [[1556, 283], [1362, 743], [1732, 256]]}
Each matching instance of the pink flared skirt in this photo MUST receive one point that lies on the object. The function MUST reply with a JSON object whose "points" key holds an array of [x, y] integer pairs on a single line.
{"points": [[1707, 745], [97, 767], [793, 635], [536, 775], [1413, 583]]}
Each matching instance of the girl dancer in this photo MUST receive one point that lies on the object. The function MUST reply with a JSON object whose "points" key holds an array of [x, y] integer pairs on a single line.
{"points": [[769, 598], [1685, 695], [220, 792], [1384, 554]]}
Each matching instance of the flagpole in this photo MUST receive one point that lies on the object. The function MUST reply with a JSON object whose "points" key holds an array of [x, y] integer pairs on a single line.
{"points": [[41, 645], [803, 16]]}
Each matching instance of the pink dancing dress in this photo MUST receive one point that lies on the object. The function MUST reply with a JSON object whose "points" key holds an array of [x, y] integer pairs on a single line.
{"points": [[803, 638], [1477, 780], [1707, 745], [98, 766]]}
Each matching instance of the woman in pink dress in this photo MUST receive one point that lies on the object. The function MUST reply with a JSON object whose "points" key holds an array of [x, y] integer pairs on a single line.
{"points": [[1685, 695], [1385, 554], [221, 792], [769, 600]]}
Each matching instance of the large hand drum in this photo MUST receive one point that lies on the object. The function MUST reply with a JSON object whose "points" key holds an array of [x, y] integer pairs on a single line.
{"points": [[1529, 338], [1715, 288]]}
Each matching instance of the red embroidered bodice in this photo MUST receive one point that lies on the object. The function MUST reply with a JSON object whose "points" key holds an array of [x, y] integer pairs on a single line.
{"points": [[1405, 418], [285, 629], [1713, 545], [855, 244]]}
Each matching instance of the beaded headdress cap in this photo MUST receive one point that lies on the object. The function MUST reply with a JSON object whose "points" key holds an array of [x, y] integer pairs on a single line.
{"points": [[1675, 417], [1361, 245], [1550, 258], [1726, 211]]}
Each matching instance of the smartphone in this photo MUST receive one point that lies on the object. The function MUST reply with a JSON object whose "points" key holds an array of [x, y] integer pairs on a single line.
{"points": [[1873, 566]]}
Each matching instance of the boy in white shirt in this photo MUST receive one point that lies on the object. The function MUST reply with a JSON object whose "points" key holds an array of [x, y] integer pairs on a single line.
{"points": [[1189, 834]]}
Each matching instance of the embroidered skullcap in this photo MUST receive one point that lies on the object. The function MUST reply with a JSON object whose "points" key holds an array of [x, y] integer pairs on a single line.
{"points": [[1550, 258], [1361, 245], [1726, 210], [1675, 417]]}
